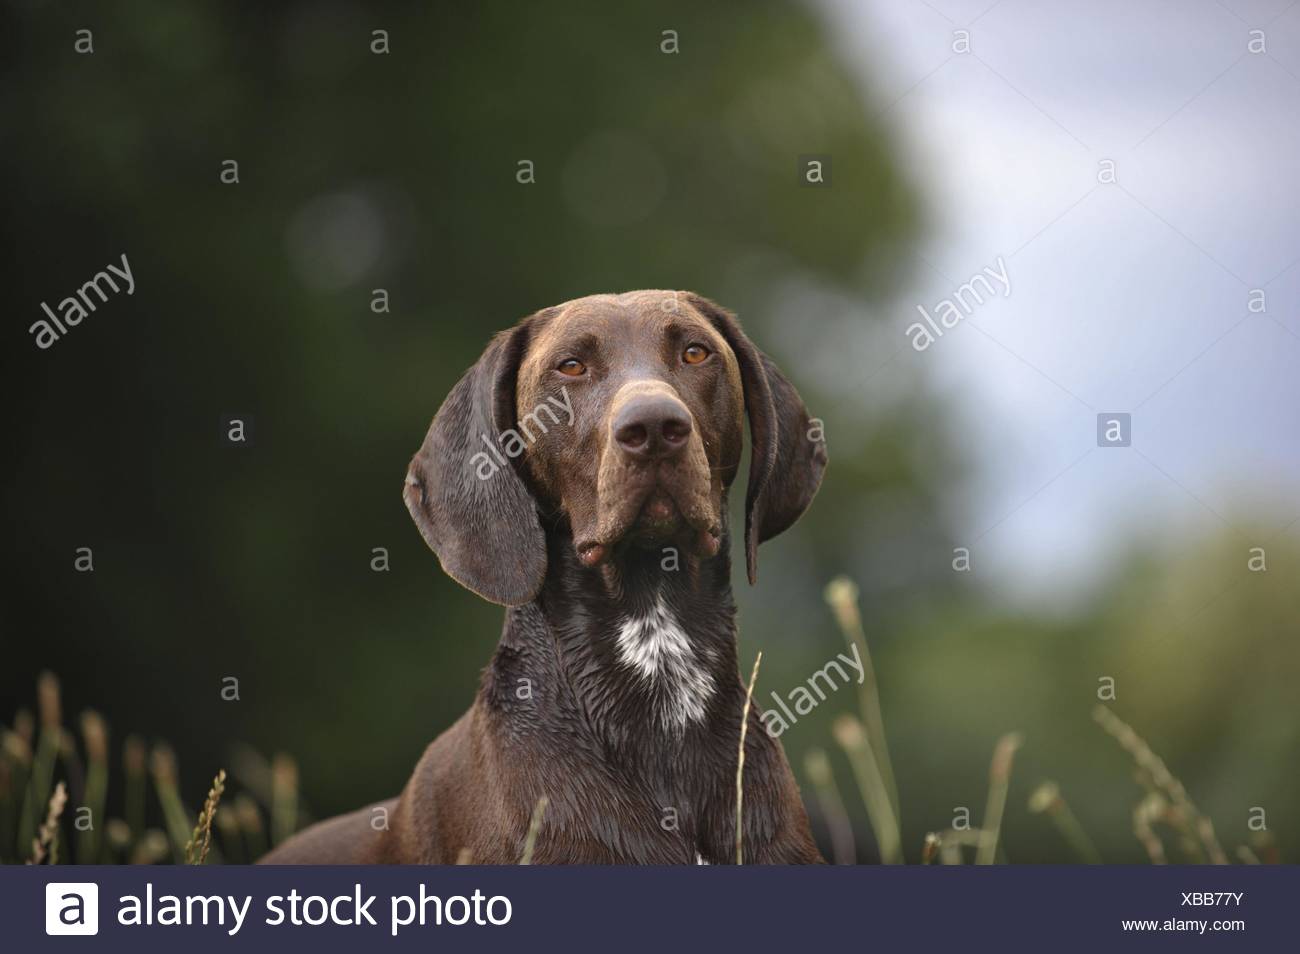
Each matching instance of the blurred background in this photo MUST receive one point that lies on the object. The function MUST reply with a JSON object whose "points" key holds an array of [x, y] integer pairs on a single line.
{"points": [[1130, 164]]}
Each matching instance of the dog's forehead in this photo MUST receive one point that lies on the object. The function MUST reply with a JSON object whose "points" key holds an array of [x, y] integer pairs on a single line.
{"points": [[629, 318]]}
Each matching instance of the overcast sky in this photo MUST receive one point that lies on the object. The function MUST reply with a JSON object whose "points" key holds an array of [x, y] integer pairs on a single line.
{"points": [[1132, 296]]}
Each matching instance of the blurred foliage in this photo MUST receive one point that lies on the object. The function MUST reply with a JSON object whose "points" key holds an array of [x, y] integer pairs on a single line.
{"points": [[361, 171]]}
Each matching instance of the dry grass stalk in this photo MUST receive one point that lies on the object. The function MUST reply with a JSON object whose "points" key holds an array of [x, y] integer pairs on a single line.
{"points": [[162, 766], [15, 765], [843, 848], [15, 748], [1004, 754], [133, 767], [253, 770], [46, 841], [196, 850], [951, 841], [73, 771], [740, 763], [1205, 830], [842, 595], [1164, 780], [95, 733], [48, 741], [117, 839], [853, 739], [930, 848], [1146, 813], [250, 823], [534, 828], [284, 797], [1047, 800], [1265, 847], [152, 848], [48, 702], [232, 845]]}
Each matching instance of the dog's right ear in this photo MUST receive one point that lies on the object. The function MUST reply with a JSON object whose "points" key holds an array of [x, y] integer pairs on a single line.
{"points": [[467, 499]]}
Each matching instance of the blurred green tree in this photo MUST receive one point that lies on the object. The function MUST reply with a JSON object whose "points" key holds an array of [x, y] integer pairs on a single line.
{"points": [[358, 171]]}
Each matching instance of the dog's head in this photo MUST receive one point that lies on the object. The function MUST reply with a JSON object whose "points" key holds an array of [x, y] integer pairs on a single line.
{"points": [[622, 415]]}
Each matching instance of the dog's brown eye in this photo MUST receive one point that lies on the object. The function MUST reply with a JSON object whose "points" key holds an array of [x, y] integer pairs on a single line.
{"points": [[572, 367], [694, 354]]}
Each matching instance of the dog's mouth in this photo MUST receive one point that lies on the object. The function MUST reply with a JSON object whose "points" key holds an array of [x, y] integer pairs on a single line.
{"points": [[659, 516], [656, 512]]}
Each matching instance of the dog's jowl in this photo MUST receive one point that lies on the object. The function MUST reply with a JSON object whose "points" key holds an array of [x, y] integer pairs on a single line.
{"points": [[614, 692]]}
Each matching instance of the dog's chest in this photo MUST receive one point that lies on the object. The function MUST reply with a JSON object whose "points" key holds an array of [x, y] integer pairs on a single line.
{"points": [[655, 647]]}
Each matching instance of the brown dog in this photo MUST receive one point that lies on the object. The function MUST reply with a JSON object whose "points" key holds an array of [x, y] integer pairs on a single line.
{"points": [[578, 475]]}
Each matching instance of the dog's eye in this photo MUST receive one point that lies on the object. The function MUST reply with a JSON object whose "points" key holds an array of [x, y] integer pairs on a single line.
{"points": [[694, 354], [572, 367]]}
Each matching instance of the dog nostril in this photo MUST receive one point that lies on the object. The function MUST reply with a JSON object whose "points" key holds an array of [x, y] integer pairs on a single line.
{"points": [[676, 430], [651, 428], [632, 436]]}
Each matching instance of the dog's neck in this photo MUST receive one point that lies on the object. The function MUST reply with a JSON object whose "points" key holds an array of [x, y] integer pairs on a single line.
{"points": [[640, 652]]}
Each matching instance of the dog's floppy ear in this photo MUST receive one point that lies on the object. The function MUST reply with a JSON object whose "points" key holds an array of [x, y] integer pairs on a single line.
{"points": [[467, 499], [788, 458]]}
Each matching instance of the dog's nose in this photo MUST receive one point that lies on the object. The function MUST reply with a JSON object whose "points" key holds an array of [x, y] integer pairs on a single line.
{"points": [[652, 427]]}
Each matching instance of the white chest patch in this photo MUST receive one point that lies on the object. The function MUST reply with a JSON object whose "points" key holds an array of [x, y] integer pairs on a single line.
{"points": [[655, 646]]}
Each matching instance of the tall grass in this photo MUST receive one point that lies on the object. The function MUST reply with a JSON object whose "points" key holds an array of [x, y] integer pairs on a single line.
{"points": [[1166, 803], [842, 595], [534, 829], [46, 843], [1167, 798], [843, 846], [852, 738], [740, 764], [56, 792], [1047, 800], [196, 849], [999, 784]]}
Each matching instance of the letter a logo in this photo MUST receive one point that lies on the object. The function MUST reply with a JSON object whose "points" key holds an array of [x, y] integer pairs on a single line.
{"points": [[71, 908]]}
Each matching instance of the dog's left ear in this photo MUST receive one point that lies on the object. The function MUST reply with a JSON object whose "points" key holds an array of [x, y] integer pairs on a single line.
{"points": [[788, 455], [469, 502]]}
